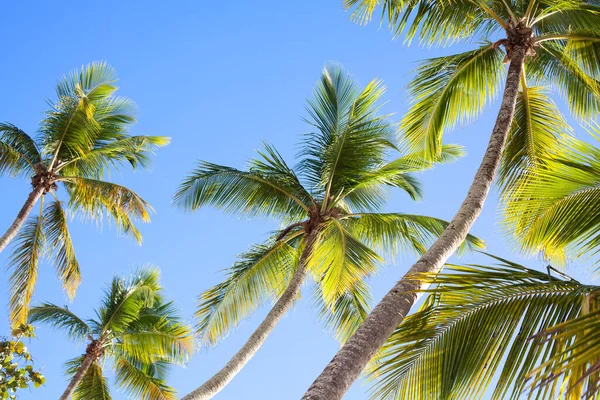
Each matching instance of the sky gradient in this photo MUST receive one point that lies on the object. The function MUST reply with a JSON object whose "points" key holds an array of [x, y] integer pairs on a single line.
{"points": [[219, 78]]}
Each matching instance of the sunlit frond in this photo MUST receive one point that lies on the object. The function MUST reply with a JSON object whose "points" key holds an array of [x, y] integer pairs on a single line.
{"points": [[478, 321], [448, 91], [23, 262], [59, 248], [141, 380], [93, 385], [96, 199], [260, 274], [60, 318]]}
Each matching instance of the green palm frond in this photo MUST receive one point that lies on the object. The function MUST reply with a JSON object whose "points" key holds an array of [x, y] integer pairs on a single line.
{"points": [[60, 318], [338, 260], [536, 130], [479, 321], [96, 81], [554, 210], [140, 380], [260, 275], [95, 199], [394, 232], [343, 314], [59, 247], [235, 191], [448, 91], [18, 151], [93, 385], [24, 262]]}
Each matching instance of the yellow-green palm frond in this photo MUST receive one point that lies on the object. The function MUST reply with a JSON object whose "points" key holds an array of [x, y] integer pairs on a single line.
{"points": [[62, 319], [343, 314], [535, 134], [59, 248], [23, 262], [96, 81], [391, 233], [95, 199], [93, 385], [18, 152], [448, 91], [259, 275], [554, 210], [350, 139], [478, 322], [143, 381], [339, 260], [259, 191]]}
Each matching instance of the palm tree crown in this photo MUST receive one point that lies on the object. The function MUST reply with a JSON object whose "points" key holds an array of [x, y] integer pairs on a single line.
{"points": [[83, 135], [134, 328]]}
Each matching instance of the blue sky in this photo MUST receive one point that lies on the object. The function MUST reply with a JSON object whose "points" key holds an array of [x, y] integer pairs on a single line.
{"points": [[219, 78]]}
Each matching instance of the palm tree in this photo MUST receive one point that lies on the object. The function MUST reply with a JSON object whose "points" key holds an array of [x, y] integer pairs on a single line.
{"points": [[530, 330], [329, 207], [555, 210], [83, 135], [135, 329], [546, 44]]}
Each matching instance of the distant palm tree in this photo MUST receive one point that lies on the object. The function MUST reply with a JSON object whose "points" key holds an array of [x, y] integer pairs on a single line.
{"points": [[135, 329], [548, 44], [530, 330], [555, 210], [329, 207], [82, 137]]}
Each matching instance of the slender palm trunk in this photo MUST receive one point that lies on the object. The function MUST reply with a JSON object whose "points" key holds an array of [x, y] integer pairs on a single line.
{"points": [[85, 365], [348, 363], [218, 381], [10, 234]]}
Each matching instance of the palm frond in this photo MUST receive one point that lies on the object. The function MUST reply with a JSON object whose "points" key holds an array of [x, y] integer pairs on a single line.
{"points": [[140, 380], [391, 233], [260, 274], [18, 151], [60, 318], [24, 261], [93, 385], [478, 321], [59, 248], [95, 199], [447, 91]]}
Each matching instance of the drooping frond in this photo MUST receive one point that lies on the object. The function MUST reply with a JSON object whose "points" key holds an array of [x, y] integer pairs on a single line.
{"points": [[260, 275], [269, 192], [143, 381], [350, 139], [95, 199], [478, 321], [391, 233], [339, 260], [59, 248], [23, 262], [535, 134], [93, 385], [448, 91], [555, 210], [18, 151], [60, 318], [344, 314]]}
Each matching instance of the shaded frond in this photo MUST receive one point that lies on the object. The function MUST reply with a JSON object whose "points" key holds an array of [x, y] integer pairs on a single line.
{"points": [[93, 385], [18, 152], [60, 318]]}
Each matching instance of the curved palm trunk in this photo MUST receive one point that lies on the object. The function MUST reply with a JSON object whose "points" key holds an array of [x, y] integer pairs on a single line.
{"points": [[10, 234], [348, 363], [85, 365], [215, 384]]}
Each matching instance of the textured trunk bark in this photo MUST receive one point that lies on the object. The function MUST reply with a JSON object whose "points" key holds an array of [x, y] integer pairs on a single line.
{"points": [[85, 365], [215, 384], [352, 358], [10, 234]]}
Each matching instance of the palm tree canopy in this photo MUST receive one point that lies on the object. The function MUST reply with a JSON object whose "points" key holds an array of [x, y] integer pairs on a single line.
{"points": [[82, 137], [135, 329], [553, 211], [337, 188], [565, 44], [530, 330]]}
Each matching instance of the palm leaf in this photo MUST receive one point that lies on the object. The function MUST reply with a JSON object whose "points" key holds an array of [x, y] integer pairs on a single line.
{"points": [[93, 385], [60, 318], [139, 380], [18, 151]]}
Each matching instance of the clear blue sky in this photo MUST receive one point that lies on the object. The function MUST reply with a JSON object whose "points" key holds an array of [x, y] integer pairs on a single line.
{"points": [[219, 78]]}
